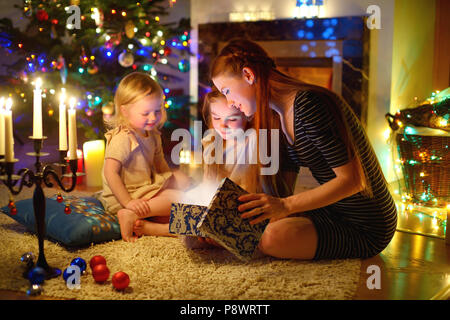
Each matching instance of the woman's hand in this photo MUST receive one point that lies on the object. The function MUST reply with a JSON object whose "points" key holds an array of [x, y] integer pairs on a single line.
{"points": [[139, 206], [263, 206]]}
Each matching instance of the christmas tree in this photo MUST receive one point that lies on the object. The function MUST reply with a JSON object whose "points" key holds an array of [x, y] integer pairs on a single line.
{"points": [[86, 47]]}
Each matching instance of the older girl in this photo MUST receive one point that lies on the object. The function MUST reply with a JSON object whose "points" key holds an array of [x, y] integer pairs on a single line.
{"points": [[351, 214]]}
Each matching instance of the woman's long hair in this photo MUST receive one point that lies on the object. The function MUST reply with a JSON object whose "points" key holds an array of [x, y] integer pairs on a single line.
{"points": [[273, 85]]}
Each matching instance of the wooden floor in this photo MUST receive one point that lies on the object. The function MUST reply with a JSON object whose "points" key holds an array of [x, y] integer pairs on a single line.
{"points": [[412, 267]]}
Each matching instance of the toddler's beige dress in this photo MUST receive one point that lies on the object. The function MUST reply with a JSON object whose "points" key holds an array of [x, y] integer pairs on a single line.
{"points": [[144, 169]]}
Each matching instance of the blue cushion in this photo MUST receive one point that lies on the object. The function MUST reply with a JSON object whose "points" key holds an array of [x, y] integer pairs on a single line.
{"points": [[87, 223]]}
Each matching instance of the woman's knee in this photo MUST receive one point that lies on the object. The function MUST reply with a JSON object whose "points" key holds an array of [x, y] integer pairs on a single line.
{"points": [[277, 234], [286, 236]]}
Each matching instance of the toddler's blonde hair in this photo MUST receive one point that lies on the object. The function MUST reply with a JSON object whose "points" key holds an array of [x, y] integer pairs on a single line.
{"points": [[132, 88]]}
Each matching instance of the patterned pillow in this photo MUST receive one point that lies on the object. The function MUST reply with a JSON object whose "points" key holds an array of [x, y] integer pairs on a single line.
{"points": [[87, 223]]}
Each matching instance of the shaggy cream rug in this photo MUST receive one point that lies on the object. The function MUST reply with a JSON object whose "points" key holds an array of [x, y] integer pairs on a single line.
{"points": [[162, 268]]}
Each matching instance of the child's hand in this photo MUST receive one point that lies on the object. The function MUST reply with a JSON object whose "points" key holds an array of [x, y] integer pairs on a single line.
{"points": [[139, 206]]}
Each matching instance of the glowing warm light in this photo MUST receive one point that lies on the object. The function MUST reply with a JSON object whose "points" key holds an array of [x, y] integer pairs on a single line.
{"points": [[38, 84], [386, 134], [185, 156], [201, 195]]}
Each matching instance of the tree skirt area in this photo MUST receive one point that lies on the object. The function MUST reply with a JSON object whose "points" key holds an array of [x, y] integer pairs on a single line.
{"points": [[162, 268]]}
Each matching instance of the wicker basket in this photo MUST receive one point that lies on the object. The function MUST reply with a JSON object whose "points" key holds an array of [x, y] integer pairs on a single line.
{"points": [[426, 167]]}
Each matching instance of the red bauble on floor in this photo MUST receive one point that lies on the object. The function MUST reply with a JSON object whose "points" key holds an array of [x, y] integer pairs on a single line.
{"points": [[96, 260], [100, 273], [120, 280]]}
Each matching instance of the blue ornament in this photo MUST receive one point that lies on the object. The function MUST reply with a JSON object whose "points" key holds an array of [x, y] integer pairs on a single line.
{"points": [[35, 289], [27, 258], [80, 263], [36, 275]]}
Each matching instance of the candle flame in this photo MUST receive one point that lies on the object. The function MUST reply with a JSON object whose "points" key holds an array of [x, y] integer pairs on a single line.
{"points": [[8, 104], [2, 102], [62, 97], [38, 83], [72, 102]]}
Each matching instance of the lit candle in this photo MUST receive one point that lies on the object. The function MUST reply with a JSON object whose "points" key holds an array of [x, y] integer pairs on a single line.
{"points": [[37, 110], [94, 154], [72, 130], [62, 121], [2, 127], [9, 137]]}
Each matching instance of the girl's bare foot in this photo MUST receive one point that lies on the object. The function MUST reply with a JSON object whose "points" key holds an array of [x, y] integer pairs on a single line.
{"points": [[127, 219], [149, 228]]}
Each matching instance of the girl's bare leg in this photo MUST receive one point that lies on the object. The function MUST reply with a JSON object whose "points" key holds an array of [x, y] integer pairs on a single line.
{"points": [[159, 212], [127, 218], [161, 203], [290, 238], [149, 228]]}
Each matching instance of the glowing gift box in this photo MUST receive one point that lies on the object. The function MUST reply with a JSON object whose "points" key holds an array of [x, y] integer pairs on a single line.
{"points": [[220, 221]]}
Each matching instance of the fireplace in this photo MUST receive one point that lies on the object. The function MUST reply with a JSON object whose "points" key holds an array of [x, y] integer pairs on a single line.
{"points": [[331, 52], [316, 62]]}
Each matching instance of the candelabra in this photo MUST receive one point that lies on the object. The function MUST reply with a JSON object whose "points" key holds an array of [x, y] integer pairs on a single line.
{"points": [[27, 177]]}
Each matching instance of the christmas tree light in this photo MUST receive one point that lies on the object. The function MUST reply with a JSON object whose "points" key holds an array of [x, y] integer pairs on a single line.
{"points": [[89, 58]]}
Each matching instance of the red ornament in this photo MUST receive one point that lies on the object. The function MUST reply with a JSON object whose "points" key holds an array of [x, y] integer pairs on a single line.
{"points": [[167, 51], [67, 209], [96, 260], [120, 280], [11, 204], [59, 198], [100, 273], [13, 211], [42, 15]]}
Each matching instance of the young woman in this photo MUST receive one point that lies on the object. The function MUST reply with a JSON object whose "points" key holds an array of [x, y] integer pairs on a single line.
{"points": [[351, 214]]}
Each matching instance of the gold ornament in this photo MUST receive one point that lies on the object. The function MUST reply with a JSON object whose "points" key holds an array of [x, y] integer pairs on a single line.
{"points": [[129, 29], [108, 109], [93, 69]]}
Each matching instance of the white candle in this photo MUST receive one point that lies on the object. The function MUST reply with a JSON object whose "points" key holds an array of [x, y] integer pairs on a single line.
{"points": [[94, 154], [9, 137], [37, 110], [72, 130], [62, 121], [2, 127]]}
